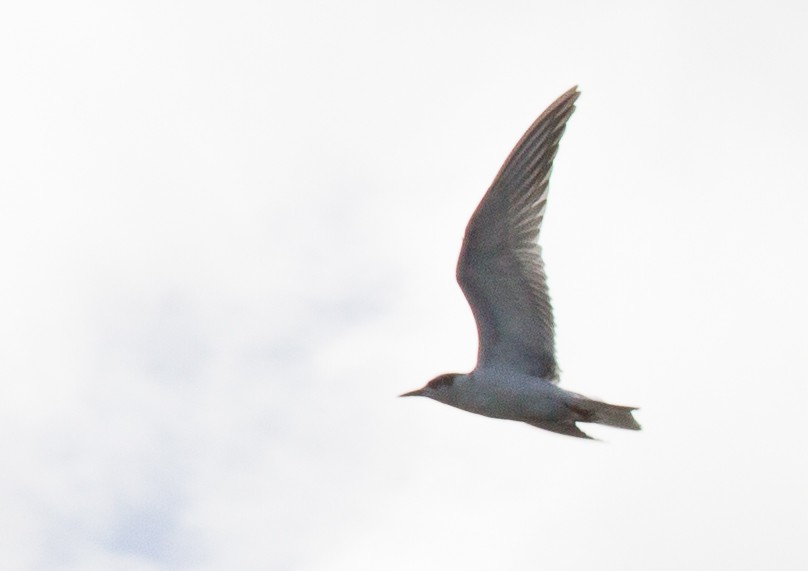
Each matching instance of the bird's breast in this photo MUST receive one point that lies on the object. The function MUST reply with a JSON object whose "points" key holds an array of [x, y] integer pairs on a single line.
{"points": [[501, 394]]}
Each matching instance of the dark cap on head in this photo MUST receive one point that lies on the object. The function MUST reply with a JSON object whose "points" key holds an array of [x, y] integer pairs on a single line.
{"points": [[442, 380], [438, 382]]}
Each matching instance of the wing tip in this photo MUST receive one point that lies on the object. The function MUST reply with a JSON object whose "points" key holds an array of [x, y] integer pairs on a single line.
{"points": [[567, 100]]}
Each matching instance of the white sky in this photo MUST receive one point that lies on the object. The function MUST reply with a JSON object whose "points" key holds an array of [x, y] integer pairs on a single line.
{"points": [[228, 234]]}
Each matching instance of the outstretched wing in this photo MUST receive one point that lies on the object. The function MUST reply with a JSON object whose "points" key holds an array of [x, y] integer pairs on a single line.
{"points": [[500, 269]]}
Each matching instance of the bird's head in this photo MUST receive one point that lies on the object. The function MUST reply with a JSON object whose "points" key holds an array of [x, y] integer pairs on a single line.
{"points": [[439, 388]]}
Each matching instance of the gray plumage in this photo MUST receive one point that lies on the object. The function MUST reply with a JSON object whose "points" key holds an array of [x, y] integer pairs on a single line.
{"points": [[501, 273], [501, 259]]}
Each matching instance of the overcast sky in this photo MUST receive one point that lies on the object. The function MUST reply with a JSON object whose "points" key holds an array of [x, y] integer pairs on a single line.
{"points": [[228, 233]]}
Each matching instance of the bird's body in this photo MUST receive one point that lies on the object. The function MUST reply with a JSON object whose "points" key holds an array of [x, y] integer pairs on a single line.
{"points": [[503, 393], [501, 273]]}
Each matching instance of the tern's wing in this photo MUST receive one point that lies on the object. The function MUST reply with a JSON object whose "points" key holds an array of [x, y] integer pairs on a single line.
{"points": [[500, 269]]}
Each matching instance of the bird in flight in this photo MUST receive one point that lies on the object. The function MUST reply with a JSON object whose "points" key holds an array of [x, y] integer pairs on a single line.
{"points": [[501, 273]]}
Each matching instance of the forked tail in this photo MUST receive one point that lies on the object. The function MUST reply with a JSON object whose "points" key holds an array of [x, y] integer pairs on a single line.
{"points": [[589, 410]]}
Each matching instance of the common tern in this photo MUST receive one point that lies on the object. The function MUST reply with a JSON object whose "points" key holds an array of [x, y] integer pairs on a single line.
{"points": [[501, 273]]}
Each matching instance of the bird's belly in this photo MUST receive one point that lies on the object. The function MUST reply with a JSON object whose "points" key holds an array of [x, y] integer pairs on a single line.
{"points": [[520, 399]]}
